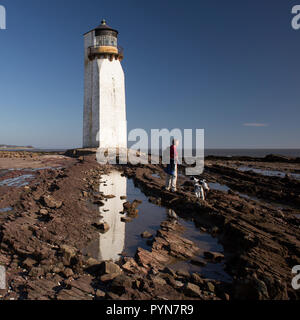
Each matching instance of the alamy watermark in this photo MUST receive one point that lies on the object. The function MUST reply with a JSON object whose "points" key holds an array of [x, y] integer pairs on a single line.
{"points": [[296, 279], [296, 18], [2, 278], [156, 149], [2, 18]]}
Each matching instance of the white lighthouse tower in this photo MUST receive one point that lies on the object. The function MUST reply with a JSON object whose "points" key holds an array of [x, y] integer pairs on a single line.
{"points": [[104, 118]]}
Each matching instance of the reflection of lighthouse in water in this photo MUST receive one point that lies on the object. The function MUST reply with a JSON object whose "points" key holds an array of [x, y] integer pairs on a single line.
{"points": [[111, 243]]}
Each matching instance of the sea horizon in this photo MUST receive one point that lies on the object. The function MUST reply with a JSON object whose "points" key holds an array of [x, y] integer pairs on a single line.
{"points": [[224, 152]]}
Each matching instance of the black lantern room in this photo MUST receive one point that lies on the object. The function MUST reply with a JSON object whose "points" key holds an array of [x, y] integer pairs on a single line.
{"points": [[106, 36]]}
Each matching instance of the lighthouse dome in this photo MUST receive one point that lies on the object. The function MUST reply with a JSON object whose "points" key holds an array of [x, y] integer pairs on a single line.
{"points": [[106, 36], [104, 28]]}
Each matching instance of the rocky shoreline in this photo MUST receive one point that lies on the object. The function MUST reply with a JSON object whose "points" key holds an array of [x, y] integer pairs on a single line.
{"points": [[50, 221]]}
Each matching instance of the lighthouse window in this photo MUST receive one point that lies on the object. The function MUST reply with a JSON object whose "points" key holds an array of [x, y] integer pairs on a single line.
{"points": [[106, 40]]}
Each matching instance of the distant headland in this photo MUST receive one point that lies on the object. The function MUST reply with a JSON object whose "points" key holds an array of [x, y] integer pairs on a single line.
{"points": [[8, 146]]}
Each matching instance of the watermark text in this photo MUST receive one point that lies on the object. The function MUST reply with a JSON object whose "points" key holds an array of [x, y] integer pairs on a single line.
{"points": [[2, 278], [2, 18], [296, 18], [296, 279], [156, 149]]}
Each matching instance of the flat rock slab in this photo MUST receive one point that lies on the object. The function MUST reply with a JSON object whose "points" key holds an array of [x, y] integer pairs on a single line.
{"points": [[146, 235], [215, 256]]}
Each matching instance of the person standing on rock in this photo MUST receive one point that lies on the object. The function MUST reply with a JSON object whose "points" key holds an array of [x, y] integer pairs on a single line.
{"points": [[171, 169]]}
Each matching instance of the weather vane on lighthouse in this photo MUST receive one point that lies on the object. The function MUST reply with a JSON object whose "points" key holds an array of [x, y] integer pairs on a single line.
{"points": [[104, 118]]}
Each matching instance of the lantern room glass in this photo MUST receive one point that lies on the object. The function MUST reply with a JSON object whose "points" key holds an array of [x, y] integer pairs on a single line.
{"points": [[106, 40]]}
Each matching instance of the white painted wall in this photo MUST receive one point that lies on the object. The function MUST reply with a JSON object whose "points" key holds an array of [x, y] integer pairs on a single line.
{"points": [[88, 94], [104, 102]]}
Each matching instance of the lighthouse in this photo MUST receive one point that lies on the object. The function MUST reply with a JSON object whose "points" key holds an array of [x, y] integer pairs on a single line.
{"points": [[104, 116]]}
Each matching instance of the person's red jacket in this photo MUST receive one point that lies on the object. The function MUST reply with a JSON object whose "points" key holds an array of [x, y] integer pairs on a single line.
{"points": [[173, 153]]}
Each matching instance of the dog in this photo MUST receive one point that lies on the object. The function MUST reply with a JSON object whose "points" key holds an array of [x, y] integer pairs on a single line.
{"points": [[200, 186]]}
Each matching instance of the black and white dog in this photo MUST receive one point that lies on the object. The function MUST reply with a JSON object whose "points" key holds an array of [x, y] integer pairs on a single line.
{"points": [[200, 187]]}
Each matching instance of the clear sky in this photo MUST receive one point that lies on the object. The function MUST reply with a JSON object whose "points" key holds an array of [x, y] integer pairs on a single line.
{"points": [[228, 66]]}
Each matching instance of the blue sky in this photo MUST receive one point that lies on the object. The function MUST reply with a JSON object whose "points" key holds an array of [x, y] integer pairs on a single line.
{"points": [[230, 67]]}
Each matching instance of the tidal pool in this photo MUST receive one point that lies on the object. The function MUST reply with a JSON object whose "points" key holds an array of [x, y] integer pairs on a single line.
{"points": [[124, 238], [24, 179], [3, 210], [20, 181], [155, 175], [218, 186], [224, 188], [269, 173]]}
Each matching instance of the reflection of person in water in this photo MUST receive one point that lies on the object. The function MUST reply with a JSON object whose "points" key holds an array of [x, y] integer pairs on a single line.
{"points": [[172, 216]]}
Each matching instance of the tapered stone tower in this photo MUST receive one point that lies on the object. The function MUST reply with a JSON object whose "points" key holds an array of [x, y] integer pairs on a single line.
{"points": [[104, 118]]}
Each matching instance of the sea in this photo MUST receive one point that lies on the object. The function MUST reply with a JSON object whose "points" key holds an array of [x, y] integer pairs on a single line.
{"points": [[259, 153]]}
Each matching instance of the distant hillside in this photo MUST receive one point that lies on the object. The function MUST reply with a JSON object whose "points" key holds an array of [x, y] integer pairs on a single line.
{"points": [[8, 146]]}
